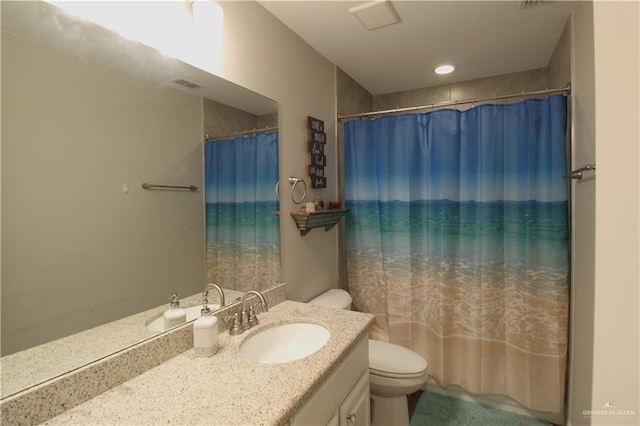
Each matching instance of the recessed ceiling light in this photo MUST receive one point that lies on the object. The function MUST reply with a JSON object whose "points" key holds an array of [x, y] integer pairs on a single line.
{"points": [[376, 14], [445, 69]]}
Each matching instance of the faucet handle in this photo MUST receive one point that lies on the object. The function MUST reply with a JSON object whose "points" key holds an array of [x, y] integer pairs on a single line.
{"points": [[235, 324], [252, 319], [244, 319]]}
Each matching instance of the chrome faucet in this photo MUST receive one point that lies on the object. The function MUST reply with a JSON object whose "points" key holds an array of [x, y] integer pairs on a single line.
{"points": [[205, 298], [249, 319]]}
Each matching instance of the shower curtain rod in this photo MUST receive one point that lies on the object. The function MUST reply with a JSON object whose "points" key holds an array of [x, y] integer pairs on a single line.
{"points": [[245, 132], [563, 90]]}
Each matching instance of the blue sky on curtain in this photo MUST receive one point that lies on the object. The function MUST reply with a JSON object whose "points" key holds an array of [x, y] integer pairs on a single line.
{"points": [[457, 241], [243, 234]]}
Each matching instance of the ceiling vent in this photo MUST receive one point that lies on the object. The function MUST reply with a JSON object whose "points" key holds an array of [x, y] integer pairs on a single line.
{"points": [[376, 14], [186, 83], [528, 4]]}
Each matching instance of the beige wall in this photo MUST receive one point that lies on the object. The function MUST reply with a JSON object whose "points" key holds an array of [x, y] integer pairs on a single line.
{"points": [[605, 331], [69, 144], [263, 55], [616, 322]]}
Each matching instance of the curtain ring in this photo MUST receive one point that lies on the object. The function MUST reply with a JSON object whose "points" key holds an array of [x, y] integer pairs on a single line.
{"points": [[278, 190], [293, 181]]}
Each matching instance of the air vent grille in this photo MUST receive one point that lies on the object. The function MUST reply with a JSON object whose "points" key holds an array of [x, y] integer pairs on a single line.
{"points": [[376, 14], [186, 83], [527, 4]]}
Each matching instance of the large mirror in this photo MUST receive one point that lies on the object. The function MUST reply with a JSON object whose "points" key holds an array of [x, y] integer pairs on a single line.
{"points": [[90, 257]]}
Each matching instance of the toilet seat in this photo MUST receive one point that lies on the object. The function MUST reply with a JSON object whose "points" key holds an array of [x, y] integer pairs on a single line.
{"points": [[395, 361]]}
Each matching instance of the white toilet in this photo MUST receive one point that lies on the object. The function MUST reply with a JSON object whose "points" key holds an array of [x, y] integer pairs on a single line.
{"points": [[395, 371]]}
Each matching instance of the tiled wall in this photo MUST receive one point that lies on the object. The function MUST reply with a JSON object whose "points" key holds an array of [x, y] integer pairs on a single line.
{"points": [[559, 69], [221, 119], [481, 88], [352, 98]]}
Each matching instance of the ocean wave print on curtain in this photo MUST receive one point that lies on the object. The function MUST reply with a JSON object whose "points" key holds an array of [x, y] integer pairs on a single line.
{"points": [[457, 242], [243, 234]]}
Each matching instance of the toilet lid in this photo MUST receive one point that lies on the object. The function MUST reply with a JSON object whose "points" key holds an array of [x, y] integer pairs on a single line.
{"points": [[334, 298], [391, 360]]}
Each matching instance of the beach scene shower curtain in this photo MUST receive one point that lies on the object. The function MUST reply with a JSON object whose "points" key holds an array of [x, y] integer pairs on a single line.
{"points": [[243, 233], [458, 243]]}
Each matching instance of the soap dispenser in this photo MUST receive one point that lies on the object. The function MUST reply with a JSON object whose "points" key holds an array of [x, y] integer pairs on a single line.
{"points": [[205, 335], [175, 315]]}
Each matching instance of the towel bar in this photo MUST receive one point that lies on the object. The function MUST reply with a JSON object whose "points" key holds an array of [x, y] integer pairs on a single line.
{"points": [[577, 174], [151, 186]]}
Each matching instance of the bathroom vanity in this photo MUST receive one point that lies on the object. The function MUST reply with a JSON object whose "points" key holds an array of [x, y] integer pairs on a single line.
{"points": [[330, 386], [343, 398]]}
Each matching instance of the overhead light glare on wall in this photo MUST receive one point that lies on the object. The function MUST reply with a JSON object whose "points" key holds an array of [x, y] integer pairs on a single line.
{"points": [[191, 31], [376, 14], [445, 69]]}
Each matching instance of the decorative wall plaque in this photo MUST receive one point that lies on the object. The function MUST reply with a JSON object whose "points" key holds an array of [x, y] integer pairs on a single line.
{"points": [[316, 159]]}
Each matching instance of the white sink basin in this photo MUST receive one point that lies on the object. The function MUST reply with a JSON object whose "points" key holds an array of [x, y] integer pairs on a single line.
{"points": [[156, 323], [284, 343]]}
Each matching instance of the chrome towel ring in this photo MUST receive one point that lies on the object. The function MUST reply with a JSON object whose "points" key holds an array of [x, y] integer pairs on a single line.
{"points": [[293, 181]]}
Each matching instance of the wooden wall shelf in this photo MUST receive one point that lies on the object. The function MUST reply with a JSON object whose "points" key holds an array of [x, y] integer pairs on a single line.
{"points": [[306, 221]]}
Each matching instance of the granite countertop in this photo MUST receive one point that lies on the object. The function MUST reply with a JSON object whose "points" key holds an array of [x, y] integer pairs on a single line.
{"points": [[25, 368], [226, 388]]}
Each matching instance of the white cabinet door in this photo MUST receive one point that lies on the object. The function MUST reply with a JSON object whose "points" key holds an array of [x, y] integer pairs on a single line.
{"points": [[355, 410], [323, 407]]}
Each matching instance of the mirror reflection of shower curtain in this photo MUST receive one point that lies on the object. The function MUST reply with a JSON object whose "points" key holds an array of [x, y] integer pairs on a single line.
{"points": [[243, 233], [458, 242]]}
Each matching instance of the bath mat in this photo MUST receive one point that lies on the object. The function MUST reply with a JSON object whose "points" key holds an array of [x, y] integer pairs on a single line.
{"points": [[434, 409]]}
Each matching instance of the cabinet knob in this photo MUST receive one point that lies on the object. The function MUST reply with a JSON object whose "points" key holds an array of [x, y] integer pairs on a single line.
{"points": [[352, 417]]}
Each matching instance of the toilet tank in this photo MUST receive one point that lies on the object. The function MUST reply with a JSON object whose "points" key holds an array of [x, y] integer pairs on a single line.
{"points": [[334, 298]]}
